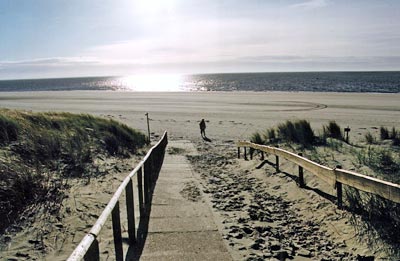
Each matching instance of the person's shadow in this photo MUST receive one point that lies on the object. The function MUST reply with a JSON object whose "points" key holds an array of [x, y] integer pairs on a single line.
{"points": [[206, 139]]}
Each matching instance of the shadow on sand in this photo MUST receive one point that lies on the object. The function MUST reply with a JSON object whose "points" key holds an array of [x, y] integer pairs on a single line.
{"points": [[206, 139], [135, 250], [295, 178]]}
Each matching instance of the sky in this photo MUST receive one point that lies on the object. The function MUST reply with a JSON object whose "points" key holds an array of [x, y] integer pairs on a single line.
{"points": [[74, 38]]}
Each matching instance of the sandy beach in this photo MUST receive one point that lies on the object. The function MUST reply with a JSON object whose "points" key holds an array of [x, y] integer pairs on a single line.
{"points": [[230, 115], [233, 116]]}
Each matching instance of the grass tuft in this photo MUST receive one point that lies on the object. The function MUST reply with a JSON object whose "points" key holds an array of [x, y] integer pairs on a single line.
{"points": [[393, 134], [380, 216], [298, 132], [9, 129], [381, 161], [369, 138], [333, 130], [44, 148], [257, 138], [384, 133], [270, 135]]}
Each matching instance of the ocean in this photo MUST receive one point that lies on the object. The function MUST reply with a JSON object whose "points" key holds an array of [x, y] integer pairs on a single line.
{"points": [[383, 82]]}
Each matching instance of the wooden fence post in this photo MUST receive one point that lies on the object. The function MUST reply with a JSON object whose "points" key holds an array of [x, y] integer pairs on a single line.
{"points": [[147, 185], [339, 191], [140, 190], [262, 155], [130, 211], [251, 151], [238, 152], [93, 253], [116, 224], [152, 173], [301, 175], [277, 163], [245, 154]]}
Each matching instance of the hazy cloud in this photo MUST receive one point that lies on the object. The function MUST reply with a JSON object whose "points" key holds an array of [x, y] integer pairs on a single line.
{"points": [[311, 4], [52, 61], [185, 36], [82, 66]]}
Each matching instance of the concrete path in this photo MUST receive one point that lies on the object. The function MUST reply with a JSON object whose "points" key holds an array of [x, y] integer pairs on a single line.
{"points": [[181, 223]]}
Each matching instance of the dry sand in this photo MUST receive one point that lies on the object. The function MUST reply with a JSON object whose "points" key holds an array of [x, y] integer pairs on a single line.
{"points": [[230, 116]]}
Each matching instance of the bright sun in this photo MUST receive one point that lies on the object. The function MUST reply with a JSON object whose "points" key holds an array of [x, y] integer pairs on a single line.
{"points": [[155, 7]]}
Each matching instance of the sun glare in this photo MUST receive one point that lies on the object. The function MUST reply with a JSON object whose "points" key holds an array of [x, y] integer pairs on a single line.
{"points": [[155, 7], [152, 83]]}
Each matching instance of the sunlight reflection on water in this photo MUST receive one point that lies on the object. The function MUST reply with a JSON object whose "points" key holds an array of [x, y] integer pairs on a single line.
{"points": [[152, 83]]}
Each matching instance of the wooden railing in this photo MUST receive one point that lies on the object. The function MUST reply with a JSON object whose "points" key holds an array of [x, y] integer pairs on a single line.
{"points": [[146, 172], [336, 177]]}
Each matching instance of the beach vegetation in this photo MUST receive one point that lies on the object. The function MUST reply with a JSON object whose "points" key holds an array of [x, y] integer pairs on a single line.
{"points": [[299, 131], [382, 161], [393, 134], [373, 215], [270, 135], [9, 129], [43, 150], [396, 141], [333, 143], [369, 138], [384, 133], [390, 135], [333, 130], [257, 138]]}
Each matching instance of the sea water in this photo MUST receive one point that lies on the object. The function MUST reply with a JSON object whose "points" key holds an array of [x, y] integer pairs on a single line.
{"points": [[385, 82]]}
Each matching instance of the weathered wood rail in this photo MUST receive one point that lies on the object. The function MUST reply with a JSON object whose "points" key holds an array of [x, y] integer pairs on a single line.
{"points": [[146, 172], [336, 177]]}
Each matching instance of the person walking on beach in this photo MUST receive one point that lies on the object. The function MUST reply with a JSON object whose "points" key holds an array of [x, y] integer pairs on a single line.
{"points": [[202, 128]]}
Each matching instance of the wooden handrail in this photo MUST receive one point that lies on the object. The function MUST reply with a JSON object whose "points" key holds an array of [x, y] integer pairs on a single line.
{"points": [[88, 248], [336, 177]]}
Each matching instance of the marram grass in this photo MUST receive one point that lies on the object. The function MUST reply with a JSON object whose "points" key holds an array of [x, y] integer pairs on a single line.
{"points": [[39, 151]]}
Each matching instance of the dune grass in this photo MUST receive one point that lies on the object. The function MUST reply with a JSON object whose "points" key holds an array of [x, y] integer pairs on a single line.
{"points": [[299, 131], [333, 130], [393, 135], [384, 133], [378, 214], [369, 138], [39, 151], [257, 138], [9, 129]]}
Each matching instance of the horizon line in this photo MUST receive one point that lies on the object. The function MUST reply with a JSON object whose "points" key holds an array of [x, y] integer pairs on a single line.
{"points": [[189, 74]]}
